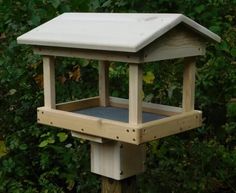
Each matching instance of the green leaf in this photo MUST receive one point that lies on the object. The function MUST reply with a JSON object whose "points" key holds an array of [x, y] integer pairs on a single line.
{"points": [[200, 8], [35, 20], [224, 46], [215, 28], [43, 143], [233, 52], [107, 3], [62, 136], [55, 3], [51, 140], [8, 164], [149, 77], [12, 92], [3, 149], [23, 147], [70, 184]]}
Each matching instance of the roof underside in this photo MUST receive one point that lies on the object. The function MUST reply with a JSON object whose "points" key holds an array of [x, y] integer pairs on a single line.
{"points": [[108, 31]]}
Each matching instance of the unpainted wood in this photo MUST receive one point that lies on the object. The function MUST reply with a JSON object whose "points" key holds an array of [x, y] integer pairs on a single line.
{"points": [[89, 137], [119, 131], [113, 159], [104, 83], [120, 103], [78, 104], [177, 43], [189, 84], [135, 94], [89, 125], [128, 185], [171, 125], [49, 82], [105, 159], [123, 131], [147, 107], [89, 54], [132, 159]]}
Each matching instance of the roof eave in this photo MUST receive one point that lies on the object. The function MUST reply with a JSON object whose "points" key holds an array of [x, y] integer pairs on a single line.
{"points": [[200, 29]]}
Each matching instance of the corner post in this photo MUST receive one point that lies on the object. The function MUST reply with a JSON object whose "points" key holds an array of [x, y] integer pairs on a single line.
{"points": [[103, 71], [189, 84], [49, 81], [135, 93]]}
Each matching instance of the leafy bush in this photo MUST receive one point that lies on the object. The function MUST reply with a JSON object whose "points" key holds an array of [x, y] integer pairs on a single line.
{"points": [[42, 159]]}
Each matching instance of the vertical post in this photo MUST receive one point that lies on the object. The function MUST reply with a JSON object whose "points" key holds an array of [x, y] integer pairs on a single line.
{"points": [[189, 84], [123, 186], [49, 82], [104, 83], [135, 93]]}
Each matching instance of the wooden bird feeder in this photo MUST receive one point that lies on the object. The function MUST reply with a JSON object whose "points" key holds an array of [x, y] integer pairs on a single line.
{"points": [[118, 126]]}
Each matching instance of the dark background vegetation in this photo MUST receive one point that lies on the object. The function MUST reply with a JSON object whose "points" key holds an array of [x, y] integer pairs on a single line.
{"points": [[35, 158]]}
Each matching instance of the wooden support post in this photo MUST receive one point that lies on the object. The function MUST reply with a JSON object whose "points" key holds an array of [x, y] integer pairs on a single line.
{"points": [[127, 185], [49, 82], [104, 83], [189, 84], [135, 93]]}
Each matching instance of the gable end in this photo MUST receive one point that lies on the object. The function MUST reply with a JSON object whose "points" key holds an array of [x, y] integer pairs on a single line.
{"points": [[179, 42]]}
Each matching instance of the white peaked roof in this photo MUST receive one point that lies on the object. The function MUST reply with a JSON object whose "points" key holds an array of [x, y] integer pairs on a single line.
{"points": [[108, 31]]}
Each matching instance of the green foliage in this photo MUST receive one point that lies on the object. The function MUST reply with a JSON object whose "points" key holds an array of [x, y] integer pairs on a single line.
{"points": [[189, 166], [40, 159]]}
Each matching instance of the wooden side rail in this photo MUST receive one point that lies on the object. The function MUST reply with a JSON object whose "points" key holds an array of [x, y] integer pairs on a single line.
{"points": [[119, 131], [120, 103]]}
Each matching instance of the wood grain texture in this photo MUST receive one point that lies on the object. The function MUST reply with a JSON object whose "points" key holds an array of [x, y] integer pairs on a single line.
{"points": [[90, 125], [119, 131], [89, 54], [128, 185], [171, 125], [113, 159], [108, 31], [78, 104], [177, 43], [89, 137], [189, 84], [147, 107], [104, 83], [135, 93], [49, 82]]}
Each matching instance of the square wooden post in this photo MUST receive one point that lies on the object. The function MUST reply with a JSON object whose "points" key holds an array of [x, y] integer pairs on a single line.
{"points": [[49, 82], [127, 185], [104, 83], [189, 84], [135, 93]]}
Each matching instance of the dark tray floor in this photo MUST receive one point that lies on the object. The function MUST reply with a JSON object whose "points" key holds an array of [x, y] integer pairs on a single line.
{"points": [[116, 114]]}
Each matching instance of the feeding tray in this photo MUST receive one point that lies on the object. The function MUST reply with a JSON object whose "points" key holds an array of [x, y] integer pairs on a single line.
{"points": [[86, 116]]}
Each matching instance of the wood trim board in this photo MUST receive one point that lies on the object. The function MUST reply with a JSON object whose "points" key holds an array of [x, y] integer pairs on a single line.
{"points": [[49, 81], [189, 84], [120, 103], [103, 73], [120, 131], [135, 93], [79, 104]]}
